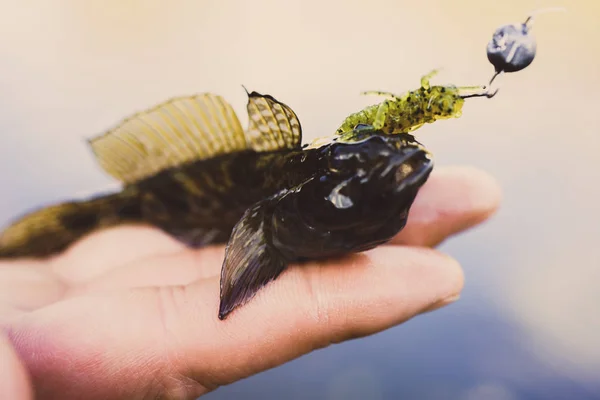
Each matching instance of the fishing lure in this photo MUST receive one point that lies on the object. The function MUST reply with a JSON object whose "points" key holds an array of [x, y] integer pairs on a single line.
{"points": [[511, 49], [408, 112]]}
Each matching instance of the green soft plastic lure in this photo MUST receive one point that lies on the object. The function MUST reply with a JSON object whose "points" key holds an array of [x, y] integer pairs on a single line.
{"points": [[408, 112]]}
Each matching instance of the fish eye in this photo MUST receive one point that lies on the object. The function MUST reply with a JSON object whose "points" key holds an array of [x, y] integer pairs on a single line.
{"points": [[351, 158], [341, 164], [346, 157]]}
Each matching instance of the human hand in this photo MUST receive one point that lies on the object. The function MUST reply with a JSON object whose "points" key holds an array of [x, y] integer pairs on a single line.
{"points": [[130, 313]]}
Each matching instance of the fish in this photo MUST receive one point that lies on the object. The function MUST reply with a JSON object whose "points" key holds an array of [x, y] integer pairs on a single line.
{"points": [[188, 168]]}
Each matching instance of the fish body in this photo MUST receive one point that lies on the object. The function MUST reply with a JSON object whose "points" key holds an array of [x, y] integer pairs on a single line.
{"points": [[258, 190], [198, 202], [356, 196]]}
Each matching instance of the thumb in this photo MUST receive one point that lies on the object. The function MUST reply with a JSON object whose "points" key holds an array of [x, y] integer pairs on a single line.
{"points": [[14, 382]]}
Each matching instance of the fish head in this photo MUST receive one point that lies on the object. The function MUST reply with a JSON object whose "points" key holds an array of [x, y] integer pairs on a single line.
{"points": [[374, 171], [356, 197], [360, 198]]}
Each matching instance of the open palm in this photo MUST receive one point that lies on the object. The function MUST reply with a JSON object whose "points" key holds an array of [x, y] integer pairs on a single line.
{"points": [[130, 313]]}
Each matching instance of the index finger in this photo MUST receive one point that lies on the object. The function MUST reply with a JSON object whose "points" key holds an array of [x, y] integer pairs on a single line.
{"points": [[453, 199]]}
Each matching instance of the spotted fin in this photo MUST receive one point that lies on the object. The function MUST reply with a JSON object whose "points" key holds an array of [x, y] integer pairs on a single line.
{"points": [[251, 260], [272, 124], [175, 132]]}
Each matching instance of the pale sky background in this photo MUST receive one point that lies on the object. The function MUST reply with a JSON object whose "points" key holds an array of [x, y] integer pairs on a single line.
{"points": [[527, 324]]}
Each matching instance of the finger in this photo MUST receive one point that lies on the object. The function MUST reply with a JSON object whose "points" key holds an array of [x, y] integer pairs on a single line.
{"points": [[181, 268], [453, 200], [27, 285], [14, 382], [169, 342], [107, 249], [312, 306]]}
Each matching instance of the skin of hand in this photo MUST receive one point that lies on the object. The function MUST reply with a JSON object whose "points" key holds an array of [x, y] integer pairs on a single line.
{"points": [[129, 313]]}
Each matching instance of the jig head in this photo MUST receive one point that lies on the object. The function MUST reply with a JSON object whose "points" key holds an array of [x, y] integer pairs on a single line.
{"points": [[513, 47]]}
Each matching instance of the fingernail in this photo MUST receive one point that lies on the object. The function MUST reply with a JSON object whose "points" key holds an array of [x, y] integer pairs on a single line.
{"points": [[442, 303]]}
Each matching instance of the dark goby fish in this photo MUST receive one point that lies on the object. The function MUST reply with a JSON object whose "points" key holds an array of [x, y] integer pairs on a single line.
{"points": [[189, 168]]}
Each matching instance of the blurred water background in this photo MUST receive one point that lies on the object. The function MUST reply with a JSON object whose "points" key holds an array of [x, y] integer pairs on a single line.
{"points": [[527, 325]]}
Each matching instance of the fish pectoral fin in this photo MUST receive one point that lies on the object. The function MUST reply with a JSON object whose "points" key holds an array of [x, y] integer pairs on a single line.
{"points": [[175, 132], [251, 260], [272, 125]]}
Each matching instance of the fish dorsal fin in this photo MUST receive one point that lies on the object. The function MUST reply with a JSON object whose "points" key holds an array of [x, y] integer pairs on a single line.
{"points": [[175, 132], [272, 124]]}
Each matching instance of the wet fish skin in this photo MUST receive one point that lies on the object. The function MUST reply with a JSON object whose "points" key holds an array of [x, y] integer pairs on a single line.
{"points": [[357, 196], [199, 202], [362, 199]]}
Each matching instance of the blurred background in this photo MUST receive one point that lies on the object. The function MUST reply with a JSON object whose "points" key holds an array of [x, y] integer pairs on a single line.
{"points": [[527, 324]]}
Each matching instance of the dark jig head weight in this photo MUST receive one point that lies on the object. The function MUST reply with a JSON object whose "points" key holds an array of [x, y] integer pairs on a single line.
{"points": [[513, 47]]}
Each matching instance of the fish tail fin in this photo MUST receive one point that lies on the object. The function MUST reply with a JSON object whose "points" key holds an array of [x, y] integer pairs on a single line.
{"points": [[51, 230]]}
